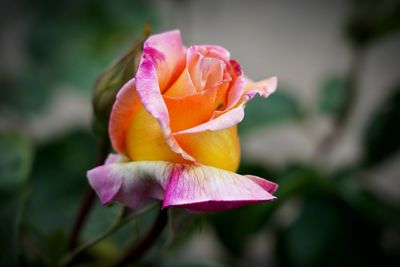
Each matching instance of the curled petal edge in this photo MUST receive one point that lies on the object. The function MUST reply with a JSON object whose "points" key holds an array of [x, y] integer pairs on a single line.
{"points": [[264, 88], [224, 121], [152, 100]]}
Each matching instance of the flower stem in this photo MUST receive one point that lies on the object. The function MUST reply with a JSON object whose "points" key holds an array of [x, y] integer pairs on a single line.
{"points": [[88, 198], [138, 249], [341, 119], [121, 219]]}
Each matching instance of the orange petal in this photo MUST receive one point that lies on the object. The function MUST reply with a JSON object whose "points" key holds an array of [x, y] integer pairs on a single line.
{"points": [[125, 106], [183, 86], [187, 112]]}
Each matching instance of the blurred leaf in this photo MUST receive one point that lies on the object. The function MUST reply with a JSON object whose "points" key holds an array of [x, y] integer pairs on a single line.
{"points": [[373, 207], [10, 216], [244, 222], [59, 180], [56, 244], [194, 264], [93, 34], [329, 233], [59, 183], [235, 227], [279, 107], [333, 94], [365, 202], [372, 20], [381, 139], [15, 162], [339, 221], [297, 179]]}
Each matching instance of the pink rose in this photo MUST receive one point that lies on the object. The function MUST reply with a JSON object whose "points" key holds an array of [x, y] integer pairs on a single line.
{"points": [[174, 127]]}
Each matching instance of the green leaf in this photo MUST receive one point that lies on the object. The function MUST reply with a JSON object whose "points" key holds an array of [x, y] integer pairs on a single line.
{"points": [[381, 138], [10, 216], [277, 108], [333, 95], [235, 227], [195, 264], [15, 162], [59, 180], [328, 232], [93, 34], [366, 202], [244, 222], [364, 27]]}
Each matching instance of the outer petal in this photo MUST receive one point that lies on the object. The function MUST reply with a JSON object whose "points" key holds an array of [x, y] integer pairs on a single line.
{"points": [[168, 52], [124, 109], [130, 183], [206, 189], [152, 100], [194, 187]]}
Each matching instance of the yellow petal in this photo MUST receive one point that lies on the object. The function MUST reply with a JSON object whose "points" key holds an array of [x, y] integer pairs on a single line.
{"points": [[219, 149], [145, 140]]}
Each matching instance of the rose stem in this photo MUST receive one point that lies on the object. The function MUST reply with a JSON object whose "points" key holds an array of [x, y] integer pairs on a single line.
{"points": [[88, 198], [138, 249], [328, 141]]}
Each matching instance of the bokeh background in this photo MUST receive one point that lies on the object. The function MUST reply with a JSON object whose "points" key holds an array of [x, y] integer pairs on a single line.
{"points": [[330, 135]]}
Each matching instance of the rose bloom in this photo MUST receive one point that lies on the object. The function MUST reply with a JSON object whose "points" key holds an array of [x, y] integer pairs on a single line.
{"points": [[174, 128]]}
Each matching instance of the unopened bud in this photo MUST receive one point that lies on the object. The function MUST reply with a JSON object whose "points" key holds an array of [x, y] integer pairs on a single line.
{"points": [[111, 81]]}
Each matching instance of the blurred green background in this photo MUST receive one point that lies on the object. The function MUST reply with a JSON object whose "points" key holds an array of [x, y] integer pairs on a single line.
{"points": [[329, 136]]}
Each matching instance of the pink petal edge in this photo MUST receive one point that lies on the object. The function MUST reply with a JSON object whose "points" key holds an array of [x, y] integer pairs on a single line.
{"points": [[193, 187], [152, 100], [226, 120], [150, 95], [264, 88]]}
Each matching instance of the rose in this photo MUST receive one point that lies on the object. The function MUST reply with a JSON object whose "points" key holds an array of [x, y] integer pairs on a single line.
{"points": [[174, 129]]}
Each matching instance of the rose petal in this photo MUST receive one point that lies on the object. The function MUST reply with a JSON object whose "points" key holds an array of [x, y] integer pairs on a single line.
{"points": [[146, 140], [226, 120], [264, 88], [192, 110], [236, 89], [168, 52], [194, 187], [207, 189], [152, 100], [130, 183], [217, 51], [213, 148], [124, 109], [114, 158], [205, 71], [183, 86]]}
